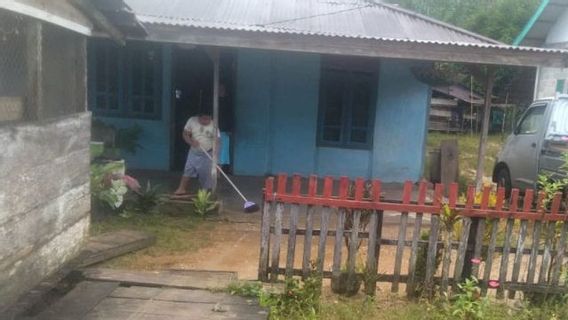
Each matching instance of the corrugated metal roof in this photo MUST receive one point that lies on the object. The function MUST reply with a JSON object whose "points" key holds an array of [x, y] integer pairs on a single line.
{"points": [[344, 18]]}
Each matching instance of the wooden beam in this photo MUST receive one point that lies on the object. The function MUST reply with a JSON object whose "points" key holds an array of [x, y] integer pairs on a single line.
{"points": [[489, 82], [214, 53], [37, 10], [354, 46], [89, 9]]}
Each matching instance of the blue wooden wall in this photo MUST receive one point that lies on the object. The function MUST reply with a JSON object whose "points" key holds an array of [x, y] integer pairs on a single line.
{"points": [[155, 138], [276, 120], [400, 124]]}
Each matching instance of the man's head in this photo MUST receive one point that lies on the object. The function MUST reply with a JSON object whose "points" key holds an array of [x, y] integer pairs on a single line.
{"points": [[204, 117]]}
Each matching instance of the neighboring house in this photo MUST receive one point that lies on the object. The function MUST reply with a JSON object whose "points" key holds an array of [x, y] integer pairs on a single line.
{"points": [[310, 86], [44, 134], [453, 108], [548, 28]]}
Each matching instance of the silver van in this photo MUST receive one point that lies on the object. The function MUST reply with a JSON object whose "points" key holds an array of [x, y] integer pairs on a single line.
{"points": [[536, 146]]}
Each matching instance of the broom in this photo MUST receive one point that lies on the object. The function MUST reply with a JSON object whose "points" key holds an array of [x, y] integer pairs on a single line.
{"points": [[249, 206]]}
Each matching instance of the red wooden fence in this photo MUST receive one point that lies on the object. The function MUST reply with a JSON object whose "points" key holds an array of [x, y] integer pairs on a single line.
{"points": [[354, 206]]}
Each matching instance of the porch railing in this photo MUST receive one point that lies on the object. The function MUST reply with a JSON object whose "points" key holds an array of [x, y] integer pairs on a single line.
{"points": [[507, 246]]}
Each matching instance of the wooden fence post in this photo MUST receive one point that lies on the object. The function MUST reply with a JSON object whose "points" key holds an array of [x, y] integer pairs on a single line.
{"points": [[265, 231], [374, 242], [306, 263], [449, 163], [406, 196]]}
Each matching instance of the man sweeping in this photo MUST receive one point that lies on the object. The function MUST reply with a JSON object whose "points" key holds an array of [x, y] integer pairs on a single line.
{"points": [[199, 133]]}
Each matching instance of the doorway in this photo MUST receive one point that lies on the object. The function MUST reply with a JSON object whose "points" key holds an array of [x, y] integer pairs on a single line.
{"points": [[193, 92]]}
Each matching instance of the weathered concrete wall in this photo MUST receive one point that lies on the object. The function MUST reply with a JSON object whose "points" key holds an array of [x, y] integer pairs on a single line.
{"points": [[44, 199], [547, 82]]}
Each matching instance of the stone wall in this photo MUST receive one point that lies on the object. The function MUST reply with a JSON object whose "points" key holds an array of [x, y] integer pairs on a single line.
{"points": [[44, 199]]}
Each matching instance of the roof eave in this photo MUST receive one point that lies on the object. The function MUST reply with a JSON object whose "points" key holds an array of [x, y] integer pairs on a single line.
{"points": [[384, 48]]}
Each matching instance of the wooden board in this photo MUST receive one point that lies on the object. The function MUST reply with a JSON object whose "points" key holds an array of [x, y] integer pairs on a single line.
{"points": [[106, 300], [79, 301], [128, 308], [113, 244], [449, 162], [179, 295], [187, 279]]}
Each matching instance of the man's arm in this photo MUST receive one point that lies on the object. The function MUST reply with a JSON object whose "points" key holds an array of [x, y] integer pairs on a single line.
{"points": [[187, 137]]}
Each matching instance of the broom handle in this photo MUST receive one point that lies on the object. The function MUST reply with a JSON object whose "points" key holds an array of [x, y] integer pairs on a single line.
{"points": [[224, 175]]}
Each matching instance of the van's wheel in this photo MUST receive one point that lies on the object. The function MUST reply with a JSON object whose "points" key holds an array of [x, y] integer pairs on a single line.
{"points": [[503, 179]]}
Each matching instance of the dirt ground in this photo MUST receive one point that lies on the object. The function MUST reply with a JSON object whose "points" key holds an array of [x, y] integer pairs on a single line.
{"points": [[233, 245]]}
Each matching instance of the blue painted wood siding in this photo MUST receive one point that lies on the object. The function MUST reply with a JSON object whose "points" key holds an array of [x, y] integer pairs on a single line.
{"points": [[276, 117]]}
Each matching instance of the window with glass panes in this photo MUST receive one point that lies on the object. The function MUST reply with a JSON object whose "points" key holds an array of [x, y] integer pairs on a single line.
{"points": [[127, 80], [347, 100]]}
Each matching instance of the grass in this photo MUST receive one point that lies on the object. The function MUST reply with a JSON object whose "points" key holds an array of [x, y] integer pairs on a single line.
{"points": [[395, 308], [175, 236], [468, 147]]}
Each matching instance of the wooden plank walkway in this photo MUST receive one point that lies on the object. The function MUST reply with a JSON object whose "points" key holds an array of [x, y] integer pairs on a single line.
{"points": [[97, 249], [104, 300], [184, 279], [113, 244]]}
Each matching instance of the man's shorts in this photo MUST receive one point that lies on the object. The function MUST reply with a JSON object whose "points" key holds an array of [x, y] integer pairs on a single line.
{"points": [[198, 165]]}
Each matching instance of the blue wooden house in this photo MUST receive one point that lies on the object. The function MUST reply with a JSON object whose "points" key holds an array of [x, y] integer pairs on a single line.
{"points": [[311, 86]]}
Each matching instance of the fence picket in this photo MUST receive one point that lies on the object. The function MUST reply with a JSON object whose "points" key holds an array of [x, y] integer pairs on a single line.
{"points": [[431, 256], [338, 244], [489, 257], [478, 246], [406, 197], [550, 234], [537, 229], [352, 255], [340, 229], [507, 244], [306, 261], [294, 212], [265, 232], [373, 246], [411, 284], [323, 238], [371, 269], [463, 249], [276, 243], [559, 258], [527, 204], [449, 235], [326, 211]]}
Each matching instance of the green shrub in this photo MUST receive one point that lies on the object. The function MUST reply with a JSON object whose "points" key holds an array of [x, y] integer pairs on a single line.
{"points": [[468, 303], [249, 289], [300, 300], [144, 200], [202, 203], [421, 259], [107, 187]]}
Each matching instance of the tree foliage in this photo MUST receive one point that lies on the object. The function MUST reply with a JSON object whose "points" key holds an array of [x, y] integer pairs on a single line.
{"points": [[501, 20]]}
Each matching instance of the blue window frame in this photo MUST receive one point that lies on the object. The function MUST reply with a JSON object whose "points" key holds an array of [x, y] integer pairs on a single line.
{"points": [[347, 100], [126, 80]]}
